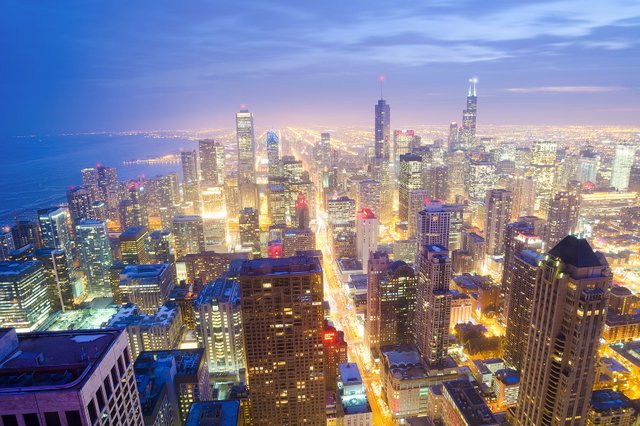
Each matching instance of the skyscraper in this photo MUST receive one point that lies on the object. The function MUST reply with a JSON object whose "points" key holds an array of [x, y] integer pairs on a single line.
{"points": [[76, 377], [369, 195], [95, 254], [417, 198], [189, 234], [377, 267], [133, 246], [246, 159], [434, 224], [7, 243], [273, 154], [366, 234], [54, 230], [80, 199], [469, 116], [382, 130], [410, 178], [250, 230], [457, 162], [191, 177], [543, 158], [397, 304], [433, 304], [335, 353], [562, 219], [403, 143], [24, 303], [621, 168], [103, 181], [523, 272], [452, 140], [283, 340], [498, 214], [211, 153], [567, 317], [58, 274]]}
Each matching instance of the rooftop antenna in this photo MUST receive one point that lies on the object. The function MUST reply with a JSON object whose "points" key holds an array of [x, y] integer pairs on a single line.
{"points": [[381, 80], [472, 86]]}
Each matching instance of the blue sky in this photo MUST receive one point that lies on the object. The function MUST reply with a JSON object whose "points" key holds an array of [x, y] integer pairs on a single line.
{"points": [[86, 65]]}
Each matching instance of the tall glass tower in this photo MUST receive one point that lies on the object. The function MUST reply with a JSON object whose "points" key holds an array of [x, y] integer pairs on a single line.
{"points": [[95, 254], [621, 168], [273, 154], [469, 116], [382, 129], [246, 159]]}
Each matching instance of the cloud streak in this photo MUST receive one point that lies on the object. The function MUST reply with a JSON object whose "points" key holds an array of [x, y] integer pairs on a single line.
{"points": [[565, 89]]}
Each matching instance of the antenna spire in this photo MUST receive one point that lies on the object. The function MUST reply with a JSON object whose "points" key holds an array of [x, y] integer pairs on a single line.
{"points": [[472, 86], [381, 80]]}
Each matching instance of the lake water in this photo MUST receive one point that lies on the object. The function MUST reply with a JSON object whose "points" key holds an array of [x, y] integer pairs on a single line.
{"points": [[36, 171]]}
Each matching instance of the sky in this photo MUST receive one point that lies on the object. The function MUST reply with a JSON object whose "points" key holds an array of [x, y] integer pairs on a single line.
{"points": [[92, 65]]}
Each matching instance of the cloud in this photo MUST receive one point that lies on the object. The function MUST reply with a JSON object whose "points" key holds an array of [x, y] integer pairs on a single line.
{"points": [[565, 89]]}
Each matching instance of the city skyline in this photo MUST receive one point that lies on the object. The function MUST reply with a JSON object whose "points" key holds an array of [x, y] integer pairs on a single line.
{"points": [[554, 63]]}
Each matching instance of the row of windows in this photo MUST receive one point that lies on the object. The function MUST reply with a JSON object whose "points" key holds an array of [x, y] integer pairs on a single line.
{"points": [[50, 419]]}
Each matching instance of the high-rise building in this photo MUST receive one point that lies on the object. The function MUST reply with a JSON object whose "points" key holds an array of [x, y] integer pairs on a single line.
{"points": [[367, 226], [588, 166], [469, 117], [335, 353], [54, 230], [78, 377], [190, 177], [103, 182], [295, 240], [246, 159], [434, 225], [133, 246], [403, 143], [523, 267], [523, 189], [377, 267], [95, 254], [621, 167], [452, 140], [433, 304], [219, 325], [250, 230], [302, 212], [369, 195], [567, 316], [382, 129], [160, 246], [480, 178], [417, 200], [24, 301], [397, 304], [188, 232], [80, 199], [543, 158], [283, 339], [273, 154], [28, 231], [7, 243], [353, 406], [278, 203], [211, 153], [207, 266], [183, 378], [410, 178], [132, 209], [457, 162], [562, 218], [58, 275], [147, 286], [435, 179], [498, 214]]}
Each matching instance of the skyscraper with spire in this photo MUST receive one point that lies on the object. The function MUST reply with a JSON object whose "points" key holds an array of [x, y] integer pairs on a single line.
{"points": [[382, 128], [469, 116]]}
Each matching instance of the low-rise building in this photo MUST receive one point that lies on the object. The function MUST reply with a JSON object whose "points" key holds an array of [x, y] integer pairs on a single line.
{"points": [[506, 385], [353, 405], [610, 408]]}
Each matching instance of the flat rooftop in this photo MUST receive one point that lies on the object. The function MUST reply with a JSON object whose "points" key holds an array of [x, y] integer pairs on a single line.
{"points": [[11, 270], [144, 271], [133, 233], [350, 374], [187, 360], [280, 266], [607, 399], [55, 359], [469, 402], [214, 413]]}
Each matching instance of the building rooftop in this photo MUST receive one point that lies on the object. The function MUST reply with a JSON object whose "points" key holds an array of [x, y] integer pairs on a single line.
{"points": [[507, 376], [607, 399], [43, 361], [187, 360], [285, 265], [12, 269], [348, 264], [137, 272], [214, 413], [130, 315], [575, 251], [133, 233], [350, 374], [469, 402], [629, 351], [222, 290]]}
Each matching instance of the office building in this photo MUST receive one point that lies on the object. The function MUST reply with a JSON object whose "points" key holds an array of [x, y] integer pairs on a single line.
{"points": [[79, 377], [250, 231], [523, 267], [353, 405], [498, 214], [216, 413], [410, 178], [219, 325], [403, 143], [283, 339], [366, 235], [397, 304], [103, 182], [543, 158], [273, 154], [181, 374], [58, 277], [211, 153], [150, 332], [278, 202], [369, 195], [160, 246], [7, 243], [382, 130], [418, 198], [480, 178], [562, 219], [295, 240], [80, 199], [24, 301], [520, 235], [147, 286], [464, 405], [624, 158], [204, 267], [246, 160], [567, 317], [433, 304], [133, 243], [335, 353], [95, 254], [54, 230], [434, 225], [188, 232], [588, 166], [469, 117], [377, 267]]}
